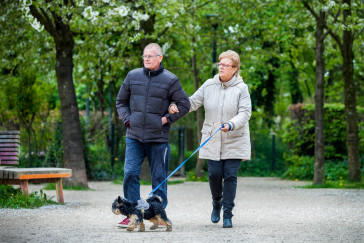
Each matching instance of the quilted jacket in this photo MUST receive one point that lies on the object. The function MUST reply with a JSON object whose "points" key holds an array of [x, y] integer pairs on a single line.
{"points": [[224, 102]]}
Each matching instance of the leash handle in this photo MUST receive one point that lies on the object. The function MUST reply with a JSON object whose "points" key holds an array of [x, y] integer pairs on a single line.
{"points": [[186, 160]]}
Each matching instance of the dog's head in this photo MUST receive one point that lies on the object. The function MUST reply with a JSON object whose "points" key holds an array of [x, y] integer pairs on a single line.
{"points": [[117, 205]]}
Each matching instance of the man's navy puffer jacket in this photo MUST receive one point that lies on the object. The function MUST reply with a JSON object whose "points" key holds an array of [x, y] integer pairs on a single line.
{"points": [[143, 100]]}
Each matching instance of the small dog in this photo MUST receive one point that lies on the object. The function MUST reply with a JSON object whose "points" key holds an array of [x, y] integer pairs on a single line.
{"points": [[155, 213]]}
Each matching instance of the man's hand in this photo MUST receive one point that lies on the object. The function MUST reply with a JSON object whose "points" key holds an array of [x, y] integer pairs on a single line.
{"points": [[173, 109], [164, 120]]}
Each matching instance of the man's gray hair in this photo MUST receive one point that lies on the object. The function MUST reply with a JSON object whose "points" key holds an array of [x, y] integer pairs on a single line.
{"points": [[156, 47]]}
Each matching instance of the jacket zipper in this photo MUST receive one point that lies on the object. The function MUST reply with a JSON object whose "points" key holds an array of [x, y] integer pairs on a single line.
{"points": [[146, 103]]}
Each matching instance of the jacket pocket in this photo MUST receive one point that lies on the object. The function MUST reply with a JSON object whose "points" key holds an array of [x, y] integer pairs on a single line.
{"points": [[206, 129], [235, 134]]}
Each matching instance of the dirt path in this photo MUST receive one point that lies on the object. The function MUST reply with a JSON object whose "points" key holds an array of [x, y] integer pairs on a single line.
{"points": [[267, 210]]}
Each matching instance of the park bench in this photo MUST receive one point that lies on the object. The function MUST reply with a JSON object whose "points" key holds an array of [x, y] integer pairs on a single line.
{"points": [[10, 174]]}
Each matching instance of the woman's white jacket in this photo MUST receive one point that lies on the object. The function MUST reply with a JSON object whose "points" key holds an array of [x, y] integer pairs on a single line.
{"points": [[224, 102]]}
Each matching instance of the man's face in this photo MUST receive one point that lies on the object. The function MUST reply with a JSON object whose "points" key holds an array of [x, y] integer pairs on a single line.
{"points": [[151, 59]]}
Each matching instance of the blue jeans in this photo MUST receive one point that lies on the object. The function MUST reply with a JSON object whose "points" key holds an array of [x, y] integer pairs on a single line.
{"points": [[158, 155], [223, 180]]}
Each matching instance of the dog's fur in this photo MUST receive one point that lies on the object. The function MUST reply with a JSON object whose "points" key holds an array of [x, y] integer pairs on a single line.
{"points": [[155, 213]]}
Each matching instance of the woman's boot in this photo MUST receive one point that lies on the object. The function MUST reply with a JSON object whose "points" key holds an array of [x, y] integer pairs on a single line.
{"points": [[216, 209], [227, 218]]}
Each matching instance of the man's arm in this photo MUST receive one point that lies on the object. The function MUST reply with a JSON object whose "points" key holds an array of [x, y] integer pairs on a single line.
{"points": [[177, 95], [122, 101]]}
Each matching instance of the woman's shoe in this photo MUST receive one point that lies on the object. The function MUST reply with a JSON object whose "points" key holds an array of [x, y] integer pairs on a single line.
{"points": [[216, 209], [227, 223]]}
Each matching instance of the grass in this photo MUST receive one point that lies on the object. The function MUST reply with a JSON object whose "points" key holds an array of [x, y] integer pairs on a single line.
{"points": [[52, 186], [11, 197], [339, 184], [119, 181], [191, 176]]}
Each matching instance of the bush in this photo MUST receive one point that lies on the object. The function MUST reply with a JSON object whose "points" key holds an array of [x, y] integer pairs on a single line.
{"points": [[13, 198], [299, 167], [302, 168], [299, 133]]}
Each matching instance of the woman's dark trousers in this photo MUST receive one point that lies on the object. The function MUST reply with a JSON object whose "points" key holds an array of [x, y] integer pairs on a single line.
{"points": [[223, 183]]}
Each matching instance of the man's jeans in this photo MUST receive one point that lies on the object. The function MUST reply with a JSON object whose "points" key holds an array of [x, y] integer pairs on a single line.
{"points": [[223, 180], [158, 155]]}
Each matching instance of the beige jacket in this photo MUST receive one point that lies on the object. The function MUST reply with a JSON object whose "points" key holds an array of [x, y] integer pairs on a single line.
{"points": [[224, 102]]}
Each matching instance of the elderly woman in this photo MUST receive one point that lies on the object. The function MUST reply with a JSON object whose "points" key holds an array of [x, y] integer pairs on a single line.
{"points": [[227, 104]]}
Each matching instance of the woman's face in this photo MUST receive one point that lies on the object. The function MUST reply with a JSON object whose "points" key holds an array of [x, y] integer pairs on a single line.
{"points": [[226, 69]]}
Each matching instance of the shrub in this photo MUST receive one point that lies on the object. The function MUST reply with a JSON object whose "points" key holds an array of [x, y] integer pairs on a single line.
{"points": [[300, 131], [13, 198]]}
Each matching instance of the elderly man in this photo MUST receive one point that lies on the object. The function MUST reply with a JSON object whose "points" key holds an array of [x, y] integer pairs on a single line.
{"points": [[142, 104]]}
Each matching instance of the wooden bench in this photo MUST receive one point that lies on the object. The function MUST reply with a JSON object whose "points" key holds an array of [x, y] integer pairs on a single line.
{"points": [[9, 157]]}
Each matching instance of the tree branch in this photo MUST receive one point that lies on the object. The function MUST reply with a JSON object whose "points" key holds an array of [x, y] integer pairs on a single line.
{"points": [[309, 8], [44, 19]]}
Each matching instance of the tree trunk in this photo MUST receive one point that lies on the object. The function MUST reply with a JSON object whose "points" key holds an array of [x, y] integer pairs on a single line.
{"points": [[71, 128], [319, 165], [200, 162], [352, 139]]}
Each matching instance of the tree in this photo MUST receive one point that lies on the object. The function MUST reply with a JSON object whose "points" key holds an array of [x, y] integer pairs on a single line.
{"points": [[59, 28], [352, 26], [320, 35]]}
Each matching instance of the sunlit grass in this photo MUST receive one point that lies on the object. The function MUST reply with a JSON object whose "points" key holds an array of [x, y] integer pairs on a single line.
{"points": [[338, 184], [119, 181], [52, 186]]}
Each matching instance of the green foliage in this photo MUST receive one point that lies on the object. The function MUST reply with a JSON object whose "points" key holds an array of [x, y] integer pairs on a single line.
{"points": [[275, 41], [54, 155], [13, 198], [191, 176], [300, 131], [337, 184], [302, 168], [52, 186], [299, 167]]}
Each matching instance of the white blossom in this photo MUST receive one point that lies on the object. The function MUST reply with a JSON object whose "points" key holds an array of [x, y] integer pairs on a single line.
{"points": [[165, 47], [90, 14], [36, 25], [122, 11], [139, 16]]}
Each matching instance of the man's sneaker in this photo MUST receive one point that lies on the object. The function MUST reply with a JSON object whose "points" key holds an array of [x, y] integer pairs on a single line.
{"points": [[124, 223], [161, 225]]}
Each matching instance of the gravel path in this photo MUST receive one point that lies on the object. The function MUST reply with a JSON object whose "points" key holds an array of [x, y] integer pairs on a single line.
{"points": [[267, 210]]}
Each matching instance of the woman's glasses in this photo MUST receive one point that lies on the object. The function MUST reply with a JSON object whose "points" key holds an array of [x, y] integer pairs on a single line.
{"points": [[223, 65]]}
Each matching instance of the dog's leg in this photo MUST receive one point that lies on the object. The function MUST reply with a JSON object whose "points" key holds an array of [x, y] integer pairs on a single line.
{"points": [[132, 225], [164, 220], [141, 227], [155, 223]]}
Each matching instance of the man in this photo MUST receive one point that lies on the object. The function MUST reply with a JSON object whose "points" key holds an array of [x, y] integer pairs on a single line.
{"points": [[142, 104]]}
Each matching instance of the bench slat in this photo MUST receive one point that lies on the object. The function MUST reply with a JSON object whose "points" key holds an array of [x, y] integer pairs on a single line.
{"points": [[7, 153], [35, 173], [9, 145], [9, 132], [9, 149], [9, 140], [9, 162], [12, 136], [5, 158]]}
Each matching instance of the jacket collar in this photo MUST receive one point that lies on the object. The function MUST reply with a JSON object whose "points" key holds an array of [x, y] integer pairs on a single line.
{"points": [[154, 72], [233, 81]]}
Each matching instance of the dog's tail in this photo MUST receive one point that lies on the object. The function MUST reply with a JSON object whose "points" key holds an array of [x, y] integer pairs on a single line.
{"points": [[154, 198]]}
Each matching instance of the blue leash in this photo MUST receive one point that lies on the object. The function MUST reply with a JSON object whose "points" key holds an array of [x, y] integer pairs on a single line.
{"points": [[186, 160]]}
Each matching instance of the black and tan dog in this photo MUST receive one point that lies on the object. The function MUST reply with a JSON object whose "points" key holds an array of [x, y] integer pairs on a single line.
{"points": [[155, 213]]}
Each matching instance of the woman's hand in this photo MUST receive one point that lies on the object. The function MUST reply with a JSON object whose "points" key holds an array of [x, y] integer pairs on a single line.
{"points": [[225, 127], [173, 109], [164, 120]]}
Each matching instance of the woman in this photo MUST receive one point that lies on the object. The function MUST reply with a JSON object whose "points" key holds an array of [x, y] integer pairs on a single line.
{"points": [[227, 104]]}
